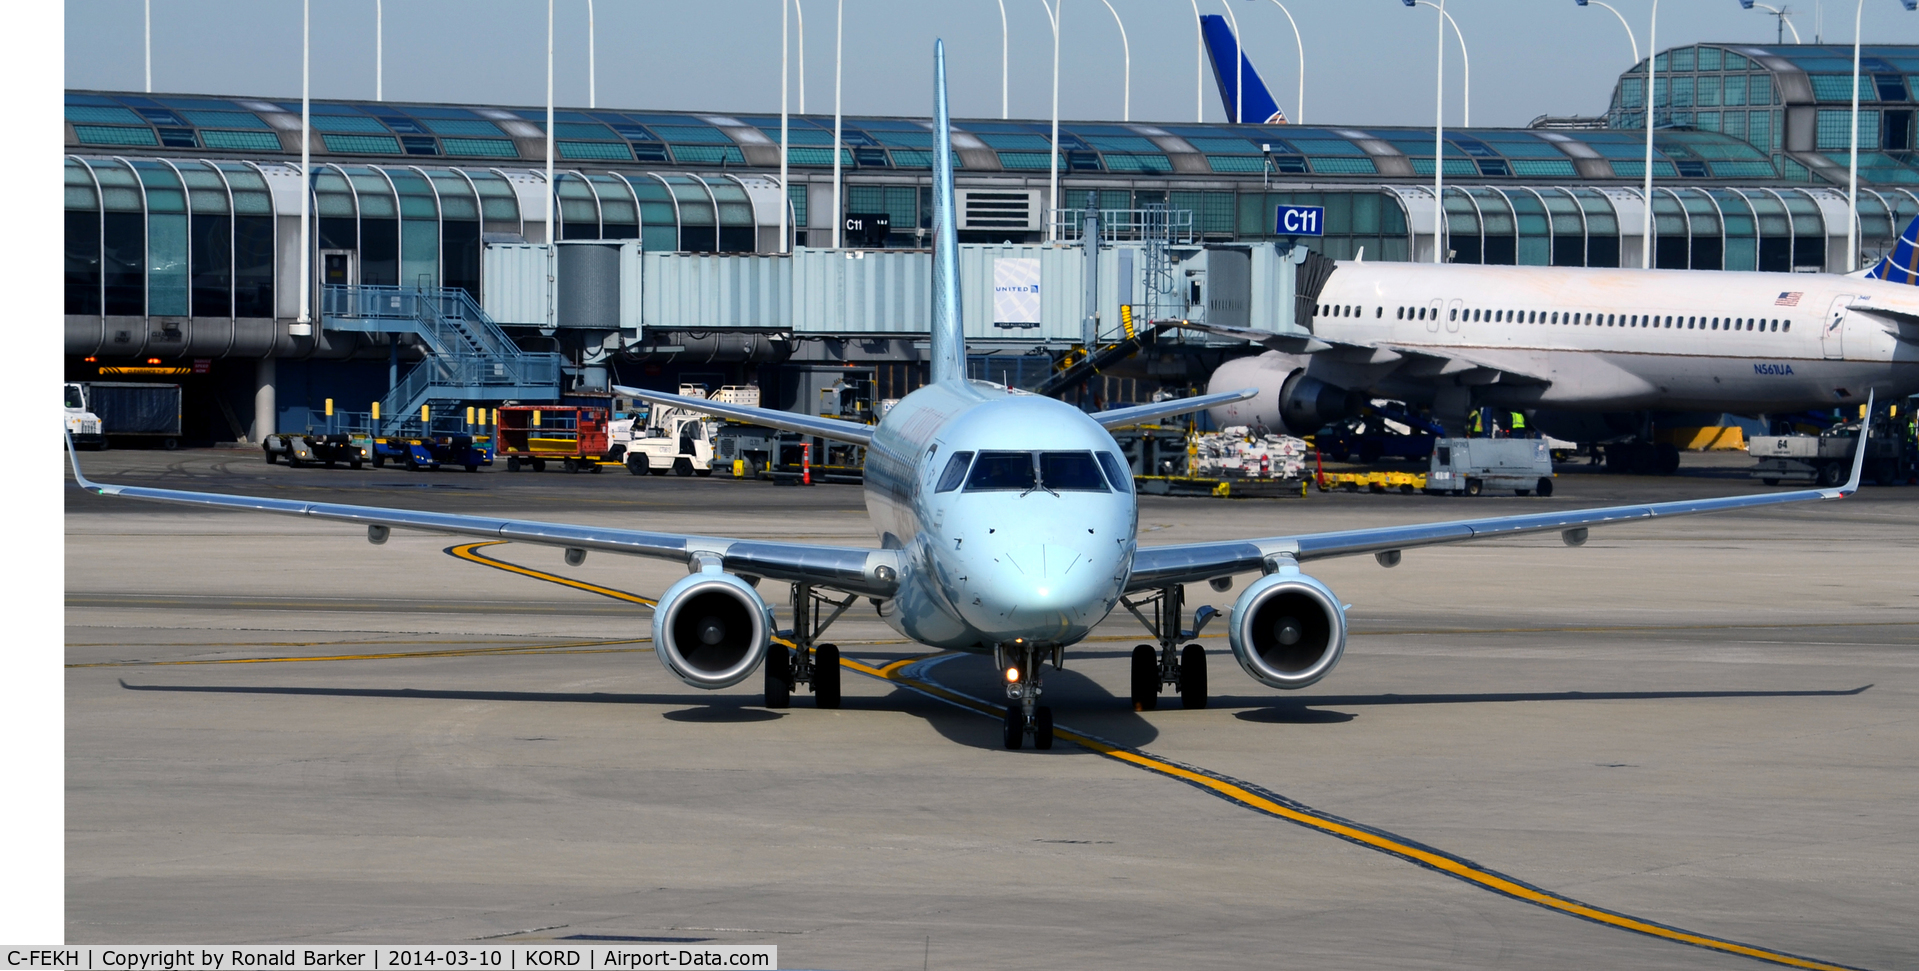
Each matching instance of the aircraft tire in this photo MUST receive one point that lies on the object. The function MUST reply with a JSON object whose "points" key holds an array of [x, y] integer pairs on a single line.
{"points": [[1042, 728], [826, 676], [1192, 677], [779, 677], [1665, 458], [1013, 729], [1145, 678]]}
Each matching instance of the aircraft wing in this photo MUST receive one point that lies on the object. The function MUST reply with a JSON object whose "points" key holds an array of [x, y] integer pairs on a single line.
{"points": [[1121, 417], [833, 428], [1160, 566], [1449, 360], [1905, 326], [868, 572], [1290, 343]]}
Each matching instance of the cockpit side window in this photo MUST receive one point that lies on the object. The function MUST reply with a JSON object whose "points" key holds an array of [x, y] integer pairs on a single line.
{"points": [[1115, 471], [1070, 472], [955, 472], [1002, 471]]}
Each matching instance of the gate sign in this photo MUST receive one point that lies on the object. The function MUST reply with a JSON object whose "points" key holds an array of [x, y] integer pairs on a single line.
{"points": [[1015, 292], [1300, 221]]}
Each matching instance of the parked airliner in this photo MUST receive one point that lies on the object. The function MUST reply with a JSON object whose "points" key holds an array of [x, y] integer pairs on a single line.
{"points": [[1007, 526], [1584, 340]]}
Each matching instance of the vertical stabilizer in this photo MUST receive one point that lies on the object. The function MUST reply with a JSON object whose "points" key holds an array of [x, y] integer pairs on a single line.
{"points": [[1222, 49], [949, 335], [1902, 264]]}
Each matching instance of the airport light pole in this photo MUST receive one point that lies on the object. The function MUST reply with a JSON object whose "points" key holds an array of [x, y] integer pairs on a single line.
{"points": [[786, 195], [1466, 62], [1053, 11], [1646, 240], [1199, 66], [1785, 23], [1239, 69], [1852, 166], [1439, 131], [839, 44], [592, 67], [303, 325], [379, 50], [1002, 61], [1622, 22], [799, 20], [149, 45], [552, 251], [1299, 116], [1126, 111]]}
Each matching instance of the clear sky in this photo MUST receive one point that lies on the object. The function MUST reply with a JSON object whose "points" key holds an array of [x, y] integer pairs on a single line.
{"points": [[1367, 61]]}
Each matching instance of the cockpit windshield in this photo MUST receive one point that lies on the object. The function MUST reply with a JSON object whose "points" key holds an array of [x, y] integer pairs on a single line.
{"points": [[1027, 471], [1070, 472], [1000, 471]]}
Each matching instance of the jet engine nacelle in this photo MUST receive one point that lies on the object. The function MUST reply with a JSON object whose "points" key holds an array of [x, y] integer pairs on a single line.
{"points": [[1287, 630], [1288, 400], [711, 630]]}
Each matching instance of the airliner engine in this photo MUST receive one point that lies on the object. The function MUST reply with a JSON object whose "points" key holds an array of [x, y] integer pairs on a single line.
{"points": [[1287, 630], [711, 630], [1288, 400]]}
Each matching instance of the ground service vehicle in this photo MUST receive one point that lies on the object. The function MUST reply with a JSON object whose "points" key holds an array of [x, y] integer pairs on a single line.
{"points": [[83, 426], [307, 449], [1823, 458], [573, 435], [130, 410], [1471, 465]]}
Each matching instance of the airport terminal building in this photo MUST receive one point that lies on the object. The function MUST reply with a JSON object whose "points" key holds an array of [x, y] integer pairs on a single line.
{"points": [[183, 248]]}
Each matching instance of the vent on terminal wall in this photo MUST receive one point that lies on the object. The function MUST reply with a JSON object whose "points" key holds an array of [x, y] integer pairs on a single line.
{"points": [[982, 209]]}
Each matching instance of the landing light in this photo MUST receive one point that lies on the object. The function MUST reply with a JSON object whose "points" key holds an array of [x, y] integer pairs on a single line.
{"points": [[1012, 675]]}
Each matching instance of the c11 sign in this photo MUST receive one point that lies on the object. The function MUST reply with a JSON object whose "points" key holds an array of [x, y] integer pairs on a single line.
{"points": [[1300, 221]]}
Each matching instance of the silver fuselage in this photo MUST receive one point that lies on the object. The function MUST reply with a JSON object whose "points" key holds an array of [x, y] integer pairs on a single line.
{"points": [[986, 568]]}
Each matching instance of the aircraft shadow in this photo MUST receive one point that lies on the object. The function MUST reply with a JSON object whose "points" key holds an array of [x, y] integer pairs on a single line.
{"points": [[721, 708], [1078, 702], [1311, 709]]}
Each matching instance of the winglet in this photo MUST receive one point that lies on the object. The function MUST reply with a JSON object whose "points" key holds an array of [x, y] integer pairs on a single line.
{"points": [[1859, 453], [79, 476]]}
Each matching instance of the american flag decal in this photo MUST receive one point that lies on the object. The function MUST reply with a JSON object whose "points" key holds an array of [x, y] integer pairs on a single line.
{"points": [[1788, 299]]}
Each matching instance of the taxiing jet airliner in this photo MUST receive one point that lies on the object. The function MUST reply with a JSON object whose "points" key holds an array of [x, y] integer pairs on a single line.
{"points": [[1007, 526]]}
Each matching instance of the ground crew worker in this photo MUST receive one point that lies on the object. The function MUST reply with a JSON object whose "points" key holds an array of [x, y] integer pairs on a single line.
{"points": [[1518, 426], [1478, 429]]}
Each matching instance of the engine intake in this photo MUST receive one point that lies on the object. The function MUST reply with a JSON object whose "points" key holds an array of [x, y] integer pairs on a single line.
{"points": [[1287, 630], [1308, 404], [711, 630]]}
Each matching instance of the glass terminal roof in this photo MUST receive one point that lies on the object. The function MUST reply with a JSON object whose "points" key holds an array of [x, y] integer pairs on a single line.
{"points": [[115, 121]]}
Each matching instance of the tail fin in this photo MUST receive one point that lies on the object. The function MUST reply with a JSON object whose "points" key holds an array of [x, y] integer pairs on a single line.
{"points": [[948, 350], [1902, 264], [1261, 109]]}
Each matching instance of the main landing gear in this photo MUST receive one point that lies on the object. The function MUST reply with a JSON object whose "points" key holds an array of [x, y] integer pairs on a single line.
{"points": [[1019, 664], [1184, 669], [808, 663]]}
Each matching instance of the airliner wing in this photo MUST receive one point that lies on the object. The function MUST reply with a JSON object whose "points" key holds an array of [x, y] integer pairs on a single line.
{"points": [[1121, 417], [833, 428], [1905, 326], [1290, 343], [1160, 566], [868, 572], [1468, 357], [1461, 359]]}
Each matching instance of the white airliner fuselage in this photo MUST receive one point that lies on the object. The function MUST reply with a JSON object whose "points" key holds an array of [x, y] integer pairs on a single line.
{"points": [[1597, 339]]}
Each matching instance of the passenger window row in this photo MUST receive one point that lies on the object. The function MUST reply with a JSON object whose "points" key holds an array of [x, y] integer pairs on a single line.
{"points": [[1571, 318], [1346, 310]]}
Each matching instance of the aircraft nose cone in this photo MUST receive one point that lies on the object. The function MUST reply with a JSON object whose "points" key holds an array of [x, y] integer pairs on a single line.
{"points": [[1041, 591]]}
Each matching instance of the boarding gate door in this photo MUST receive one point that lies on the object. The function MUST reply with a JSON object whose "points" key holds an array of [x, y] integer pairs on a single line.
{"points": [[1832, 338]]}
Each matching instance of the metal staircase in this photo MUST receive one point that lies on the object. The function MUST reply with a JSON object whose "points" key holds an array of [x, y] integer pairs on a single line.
{"points": [[469, 358]]}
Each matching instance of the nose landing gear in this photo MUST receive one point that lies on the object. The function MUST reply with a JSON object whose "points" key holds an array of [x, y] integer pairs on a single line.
{"points": [[1019, 664], [1184, 669]]}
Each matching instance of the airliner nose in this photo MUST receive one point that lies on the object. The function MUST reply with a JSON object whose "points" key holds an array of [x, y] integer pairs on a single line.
{"points": [[1041, 591]]}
